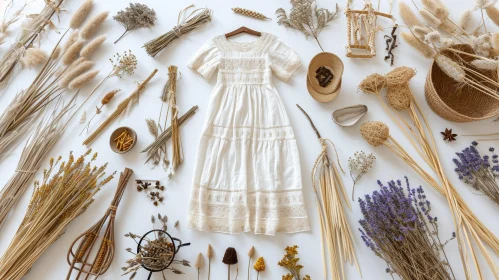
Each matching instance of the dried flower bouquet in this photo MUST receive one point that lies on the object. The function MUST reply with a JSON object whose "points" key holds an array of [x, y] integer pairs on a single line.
{"points": [[398, 227], [65, 192]]}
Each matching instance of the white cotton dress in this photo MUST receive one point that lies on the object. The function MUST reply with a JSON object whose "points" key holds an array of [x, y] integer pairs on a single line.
{"points": [[247, 176]]}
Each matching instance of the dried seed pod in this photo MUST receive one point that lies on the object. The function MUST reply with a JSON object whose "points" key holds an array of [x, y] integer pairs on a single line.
{"points": [[250, 13], [230, 256], [375, 133]]}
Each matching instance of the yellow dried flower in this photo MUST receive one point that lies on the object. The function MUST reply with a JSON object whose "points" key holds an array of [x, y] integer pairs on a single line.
{"points": [[290, 262], [260, 264]]}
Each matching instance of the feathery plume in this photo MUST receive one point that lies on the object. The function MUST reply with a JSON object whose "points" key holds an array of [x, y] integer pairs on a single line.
{"points": [[152, 127], [430, 18], [81, 14], [493, 14], [80, 67], [73, 52], [210, 254], [83, 79], [433, 37], [91, 47], [89, 29], [451, 68], [33, 57], [251, 253], [424, 49], [56, 53], [485, 64], [408, 15], [72, 38], [466, 19], [436, 8], [199, 263]]}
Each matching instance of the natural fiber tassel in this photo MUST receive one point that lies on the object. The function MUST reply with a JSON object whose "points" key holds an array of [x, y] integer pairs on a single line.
{"points": [[250, 13], [177, 155]]}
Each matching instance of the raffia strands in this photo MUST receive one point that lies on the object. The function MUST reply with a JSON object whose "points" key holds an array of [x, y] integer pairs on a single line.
{"points": [[41, 142], [81, 14], [80, 67], [120, 109], [93, 46], [83, 79], [194, 20], [79, 255], [470, 232], [72, 38], [177, 154], [493, 14], [65, 192], [408, 16], [73, 52], [424, 49], [430, 18], [331, 199], [25, 38], [466, 19], [451, 68], [33, 57], [91, 27]]}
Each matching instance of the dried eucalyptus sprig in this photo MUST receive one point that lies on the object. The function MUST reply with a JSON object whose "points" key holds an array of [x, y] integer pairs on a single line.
{"points": [[307, 18], [359, 165], [134, 17]]}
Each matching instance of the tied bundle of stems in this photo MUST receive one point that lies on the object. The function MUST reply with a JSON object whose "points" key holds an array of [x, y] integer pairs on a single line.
{"points": [[331, 198], [122, 108], [195, 19], [62, 72], [65, 192], [177, 153], [80, 254], [419, 133], [47, 134], [26, 37]]}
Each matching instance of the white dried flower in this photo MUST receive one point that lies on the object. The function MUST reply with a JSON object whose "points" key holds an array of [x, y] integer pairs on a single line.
{"points": [[359, 165]]}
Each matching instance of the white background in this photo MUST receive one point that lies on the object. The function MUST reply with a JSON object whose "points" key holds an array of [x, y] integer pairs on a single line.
{"points": [[135, 209]]}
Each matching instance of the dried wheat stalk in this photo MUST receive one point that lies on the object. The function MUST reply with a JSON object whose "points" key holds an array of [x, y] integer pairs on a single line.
{"points": [[177, 153], [250, 13], [64, 193], [331, 198], [124, 106]]}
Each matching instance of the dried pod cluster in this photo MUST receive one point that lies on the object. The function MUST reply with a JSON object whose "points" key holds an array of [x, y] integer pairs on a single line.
{"points": [[154, 192]]}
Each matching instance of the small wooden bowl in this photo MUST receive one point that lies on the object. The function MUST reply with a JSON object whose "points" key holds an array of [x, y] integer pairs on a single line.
{"points": [[116, 134]]}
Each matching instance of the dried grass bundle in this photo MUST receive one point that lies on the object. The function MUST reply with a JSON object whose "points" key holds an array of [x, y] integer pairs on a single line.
{"points": [[65, 192], [31, 32], [90, 28], [418, 131], [7, 20], [177, 153], [46, 135], [331, 199], [122, 108], [79, 256], [195, 19]]}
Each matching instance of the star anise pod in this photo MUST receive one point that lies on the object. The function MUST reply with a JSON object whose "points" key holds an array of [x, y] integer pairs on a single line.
{"points": [[448, 135]]}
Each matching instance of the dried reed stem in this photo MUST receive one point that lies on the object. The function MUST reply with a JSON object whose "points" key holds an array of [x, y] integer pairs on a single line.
{"points": [[177, 153], [120, 109]]}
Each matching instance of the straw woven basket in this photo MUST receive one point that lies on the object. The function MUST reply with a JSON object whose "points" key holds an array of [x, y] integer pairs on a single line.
{"points": [[454, 103]]}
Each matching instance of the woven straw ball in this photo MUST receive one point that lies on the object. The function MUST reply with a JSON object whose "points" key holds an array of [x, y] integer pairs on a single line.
{"points": [[400, 75], [399, 97], [375, 133], [373, 83]]}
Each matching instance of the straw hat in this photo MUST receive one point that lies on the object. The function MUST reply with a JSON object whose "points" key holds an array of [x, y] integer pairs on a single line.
{"points": [[331, 91]]}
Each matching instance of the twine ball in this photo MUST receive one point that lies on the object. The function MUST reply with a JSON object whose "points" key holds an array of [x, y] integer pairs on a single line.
{"points": [[399, 97], [400, 75], [375, 133], [373, 83]]}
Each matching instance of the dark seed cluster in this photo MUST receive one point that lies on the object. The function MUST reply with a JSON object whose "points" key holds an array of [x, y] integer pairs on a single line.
{"points": [[153, 189]]}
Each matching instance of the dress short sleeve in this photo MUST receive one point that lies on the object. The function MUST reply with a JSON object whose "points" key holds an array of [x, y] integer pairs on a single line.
{"points": [[283, 61], [206, 60]]}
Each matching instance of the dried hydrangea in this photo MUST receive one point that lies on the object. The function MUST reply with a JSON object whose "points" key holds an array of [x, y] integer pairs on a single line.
{"points": [[307, 18], [359, 165], [134, 17], [123, 65]]}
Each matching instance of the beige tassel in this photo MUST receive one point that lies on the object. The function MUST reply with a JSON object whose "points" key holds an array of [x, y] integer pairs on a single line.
{"points": [[91, 47], [89, 29], [430, 18], [33, 57], [210, 254], [83, 79], [451, 68], [81, 14], [424, 49], [493, 14], [485, 64], [249, 13], [199, 263], [408, 15], [73, 37], [466, 19], [73, 52], [437, 8]]}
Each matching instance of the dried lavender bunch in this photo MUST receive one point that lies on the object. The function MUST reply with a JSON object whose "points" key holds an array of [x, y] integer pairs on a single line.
{"points": [[398, 228], [154, 253], [134, 17], [479, 171], [307, 18], [359, 165]]}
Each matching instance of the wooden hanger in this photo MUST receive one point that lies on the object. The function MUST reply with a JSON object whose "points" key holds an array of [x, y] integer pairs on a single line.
{"points": [[243, 29]]}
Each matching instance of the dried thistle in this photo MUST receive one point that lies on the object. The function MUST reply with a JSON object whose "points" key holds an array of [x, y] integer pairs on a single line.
{"points": [[359, 165], [33, 57], [90, 28], [290, 262], [250, 13], [81, 14], [307, 18], [98, 109], [91, 47], [134, 17]]}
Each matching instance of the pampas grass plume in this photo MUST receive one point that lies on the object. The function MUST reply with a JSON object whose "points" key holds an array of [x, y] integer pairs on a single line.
{"points": [[73, 52], [408, 15], [466, 19], [81, 14], [433, 37], [199, 261], [251, 252], [450, 68], [424, 49], [437, 8], [495, 40], [83, 79], [485, 64], [74, 72], [430, 18], [89, 29], [91, 47], [56, 53], [420, 32], [73, 37], [493, 14], [33, 57]]}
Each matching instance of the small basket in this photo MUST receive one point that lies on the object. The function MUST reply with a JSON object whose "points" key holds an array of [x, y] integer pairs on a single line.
{"points": [[454, 103]]}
